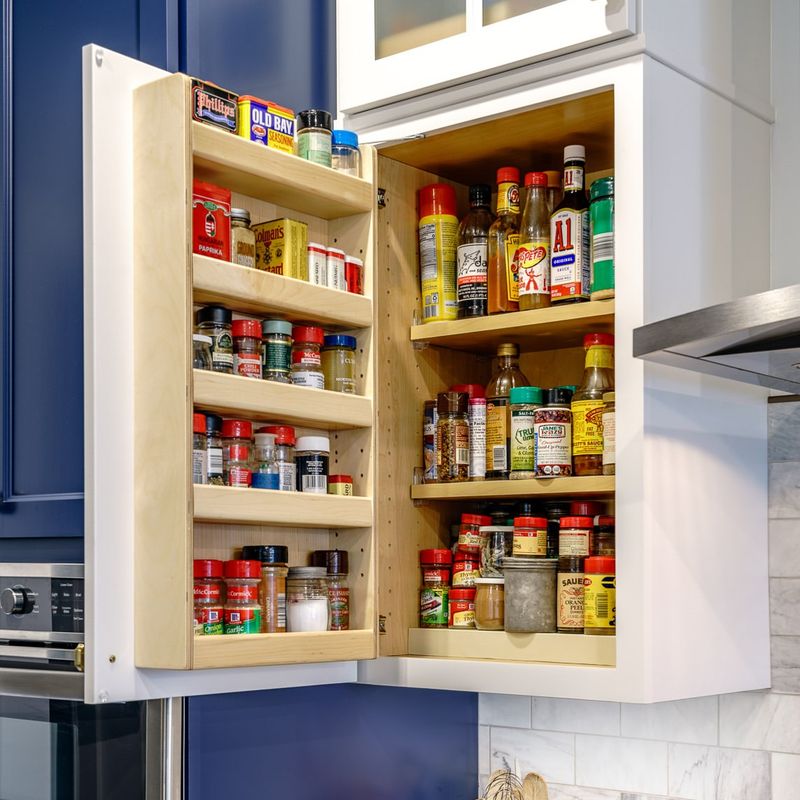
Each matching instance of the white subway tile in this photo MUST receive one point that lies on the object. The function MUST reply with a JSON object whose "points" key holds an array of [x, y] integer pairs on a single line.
{"points": [[785, 663], [784, 606], [785, 777], [562, 792], [784, 548], [760, 721], [575, 716], [629, 765], [552, 755], [783, 420], [693, 721], [716, 773], [508, 710], [784, 490], [484, 750]]}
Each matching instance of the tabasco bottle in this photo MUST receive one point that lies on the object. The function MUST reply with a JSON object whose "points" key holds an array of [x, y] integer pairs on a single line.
{"points": [[569, 233], [471, 255], [503, 241]]}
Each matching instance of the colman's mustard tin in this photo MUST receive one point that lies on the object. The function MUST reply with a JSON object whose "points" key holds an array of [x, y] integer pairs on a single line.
{"points": [[270, 124]]}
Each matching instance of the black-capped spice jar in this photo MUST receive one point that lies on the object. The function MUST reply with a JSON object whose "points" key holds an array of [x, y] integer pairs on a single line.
{"points": [[246, 348], [311, 458], [215, 470], [315, 136], [215, 322], [274, 560], [336, 564], [553, 431], [199, 446], [554, 510], [452, 437], [276, 350]]}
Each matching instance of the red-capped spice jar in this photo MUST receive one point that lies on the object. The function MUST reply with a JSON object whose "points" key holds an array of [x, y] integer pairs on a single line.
{"points": [[237, 452], [340, 484], [242, 606], [354, 274], [466, 567], [585, 508], [208, 605], [530, 536], [434, 594], [603, 541], [462, 608], [306, 356], [470, 537], [247, 348], [575, 536]]}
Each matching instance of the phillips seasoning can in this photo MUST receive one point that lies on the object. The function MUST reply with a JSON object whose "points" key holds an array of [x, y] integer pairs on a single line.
{"points": [[600, 596], [211, 220], [214, 105], [438, 234], [266, 123]]}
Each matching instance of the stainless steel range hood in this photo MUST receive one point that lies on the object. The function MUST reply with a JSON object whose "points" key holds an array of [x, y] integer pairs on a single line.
{"points": [[753, 339]]}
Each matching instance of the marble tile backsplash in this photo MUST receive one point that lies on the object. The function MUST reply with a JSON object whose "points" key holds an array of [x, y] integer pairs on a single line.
{"points": [[733, 747]]}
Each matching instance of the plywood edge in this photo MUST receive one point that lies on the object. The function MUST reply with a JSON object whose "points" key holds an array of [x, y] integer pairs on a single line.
{"points": [[600, 485]]}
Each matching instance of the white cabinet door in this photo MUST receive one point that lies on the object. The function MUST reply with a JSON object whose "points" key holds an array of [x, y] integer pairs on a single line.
{"points": [[391, 49]]}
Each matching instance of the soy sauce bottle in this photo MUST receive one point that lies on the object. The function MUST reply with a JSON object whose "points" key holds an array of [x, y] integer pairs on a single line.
{"points": [[472, 257]]}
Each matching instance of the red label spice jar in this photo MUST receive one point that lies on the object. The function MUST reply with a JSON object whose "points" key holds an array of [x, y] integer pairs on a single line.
{"points": [[466, 568], [242, 604], [574, 536], [247, 348], [211, 221], [433, 596], [237, 452], [470, 537], [208, 607], [462, 608], [530, 536]]}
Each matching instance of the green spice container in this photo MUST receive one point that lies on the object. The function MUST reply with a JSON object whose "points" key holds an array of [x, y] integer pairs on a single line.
{"points": [[524, 400], [601, 218], [276, 343], [434, 594]]}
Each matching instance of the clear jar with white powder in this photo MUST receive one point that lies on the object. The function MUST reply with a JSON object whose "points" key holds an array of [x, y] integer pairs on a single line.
{"points": [[307, 603]]}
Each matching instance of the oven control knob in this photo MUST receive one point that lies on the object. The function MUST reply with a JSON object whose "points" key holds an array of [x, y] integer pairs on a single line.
{"points": [[15, 600]]}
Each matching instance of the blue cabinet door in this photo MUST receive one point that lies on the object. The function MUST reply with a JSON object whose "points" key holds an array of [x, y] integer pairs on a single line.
{"points": [[41, 263]]}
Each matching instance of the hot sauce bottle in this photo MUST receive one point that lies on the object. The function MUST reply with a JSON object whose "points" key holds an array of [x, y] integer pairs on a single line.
{"points": [[533, 253], [503, 242], [471, 254]]}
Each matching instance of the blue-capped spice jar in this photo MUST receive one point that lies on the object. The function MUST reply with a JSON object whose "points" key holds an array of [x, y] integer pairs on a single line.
{"points": [[339, 363]]}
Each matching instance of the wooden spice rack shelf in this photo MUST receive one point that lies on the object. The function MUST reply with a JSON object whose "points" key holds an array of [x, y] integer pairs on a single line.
{"points": [[290, 509], [251, 291], [601, 486], [541, 329]]}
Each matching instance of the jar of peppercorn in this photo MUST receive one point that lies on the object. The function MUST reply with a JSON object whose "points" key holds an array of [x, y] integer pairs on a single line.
{"points": [[452, 437]]}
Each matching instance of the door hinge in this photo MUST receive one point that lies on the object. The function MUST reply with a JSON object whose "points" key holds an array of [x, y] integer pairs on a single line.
{"points": [[381, 624], [381, 198]]}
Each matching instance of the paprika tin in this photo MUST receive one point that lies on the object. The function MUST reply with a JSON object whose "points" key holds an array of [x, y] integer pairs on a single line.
{"points": [[461, 608], [465, 569], [211, 220], [266, 123], [242, 603], [214, 105], [530, 536], [600, 596]]}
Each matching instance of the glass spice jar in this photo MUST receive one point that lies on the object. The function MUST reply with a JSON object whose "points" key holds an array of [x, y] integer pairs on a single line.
{"points": [[243, 240], [237, 452], [306, 358], [284, 455], [336, 565], [345, 155], [603, 543], [569, 594], [554, 510], [314, 135], [215, 322], [208, 605], [307, 603], [523, 403], [553, 433], [266, 474], [201, 352], [215, 471], [276, 350], [242, 604], [462, 608], [489, 604], [452, 437], [339, 363], [574, 538], [498, 544], [199, 447], [246, 348], [274, 560], [434, 594]]}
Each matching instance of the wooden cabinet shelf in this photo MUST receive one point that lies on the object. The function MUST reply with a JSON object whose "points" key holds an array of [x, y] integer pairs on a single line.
{"points": [[233, 395], [251, 291], [269, 507], [601, 486]]}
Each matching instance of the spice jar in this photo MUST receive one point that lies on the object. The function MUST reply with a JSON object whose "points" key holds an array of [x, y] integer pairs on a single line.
{"points": [[585, 508], [530, 537], [306, 359], [208, 608], [199, 447], [466, 568], [339, 363], [340, 484], [237, 455], [609, 425], [201, 351], [215, 322], [274, 559], [530, 595], [574, 536], [489, 604], [476, 416], [334, 269], [554, 510], [569, 594], [336, 565], [434, 594], [276, 350], [265, 467], [470, 535], [461, 608], [317, 266], [242, 606], [345, 155], [600, 596], [354, 274], [247, 348], [553, 434], [429, 421], [311, 458], [452, 437], [314, 135], [243, 240], [498, 543], [307, 604], [523, 401], [603, 543], [215, 471], [284, 455]]}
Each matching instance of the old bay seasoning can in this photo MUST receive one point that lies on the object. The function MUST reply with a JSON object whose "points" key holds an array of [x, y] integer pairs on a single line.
{"points": [[265, 122]]}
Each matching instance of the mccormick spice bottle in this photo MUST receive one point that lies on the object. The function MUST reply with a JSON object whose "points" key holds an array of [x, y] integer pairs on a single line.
{"points": [[569, 233], [242, 604], [336, 564], [533, 254], [433, 597], [503, 241], [208, 607], [471, 255]]}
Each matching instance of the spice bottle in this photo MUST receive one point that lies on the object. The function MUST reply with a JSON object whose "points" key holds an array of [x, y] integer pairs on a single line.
{"points": [[345, 155], [242, 605], [284, 455], [276, 350], [199, 448], [554, 510], [603, 543], [530, 537], [201, 352], [471, 254], [553, 189], [313, 453], [452, 437], [569, 233], [523, 403], [339, 363], [215, 321], [306, 358], [609, 426], [471, 538], [503, 240], [243, 240], [429, 421], [476, 416], [307, 603], [208, 607], [336, 565], [354, 274], [317, 264], [587, 404], [334, 269], [553, 432], [498, 419], [438, 234], [434, 594], [314, 135], [600, 596], [533, 254], [489, 604], [274, 559], [247, 348], [601, 228], [215, 471], [237, 454], [498, 544], [340, 484], [574, 537], [461, 608], [570, 594], [466, 568], [265, 467]]}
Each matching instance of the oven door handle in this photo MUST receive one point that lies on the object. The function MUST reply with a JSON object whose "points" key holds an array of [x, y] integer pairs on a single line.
{"points": [[38, 653]]}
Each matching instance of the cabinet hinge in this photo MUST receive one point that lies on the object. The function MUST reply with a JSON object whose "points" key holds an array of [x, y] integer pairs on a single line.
{"points": [[381, 198], [381, 624]]}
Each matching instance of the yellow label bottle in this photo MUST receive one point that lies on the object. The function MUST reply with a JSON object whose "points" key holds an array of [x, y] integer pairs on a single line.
{"points": [[438, 235], [600, 596]]}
